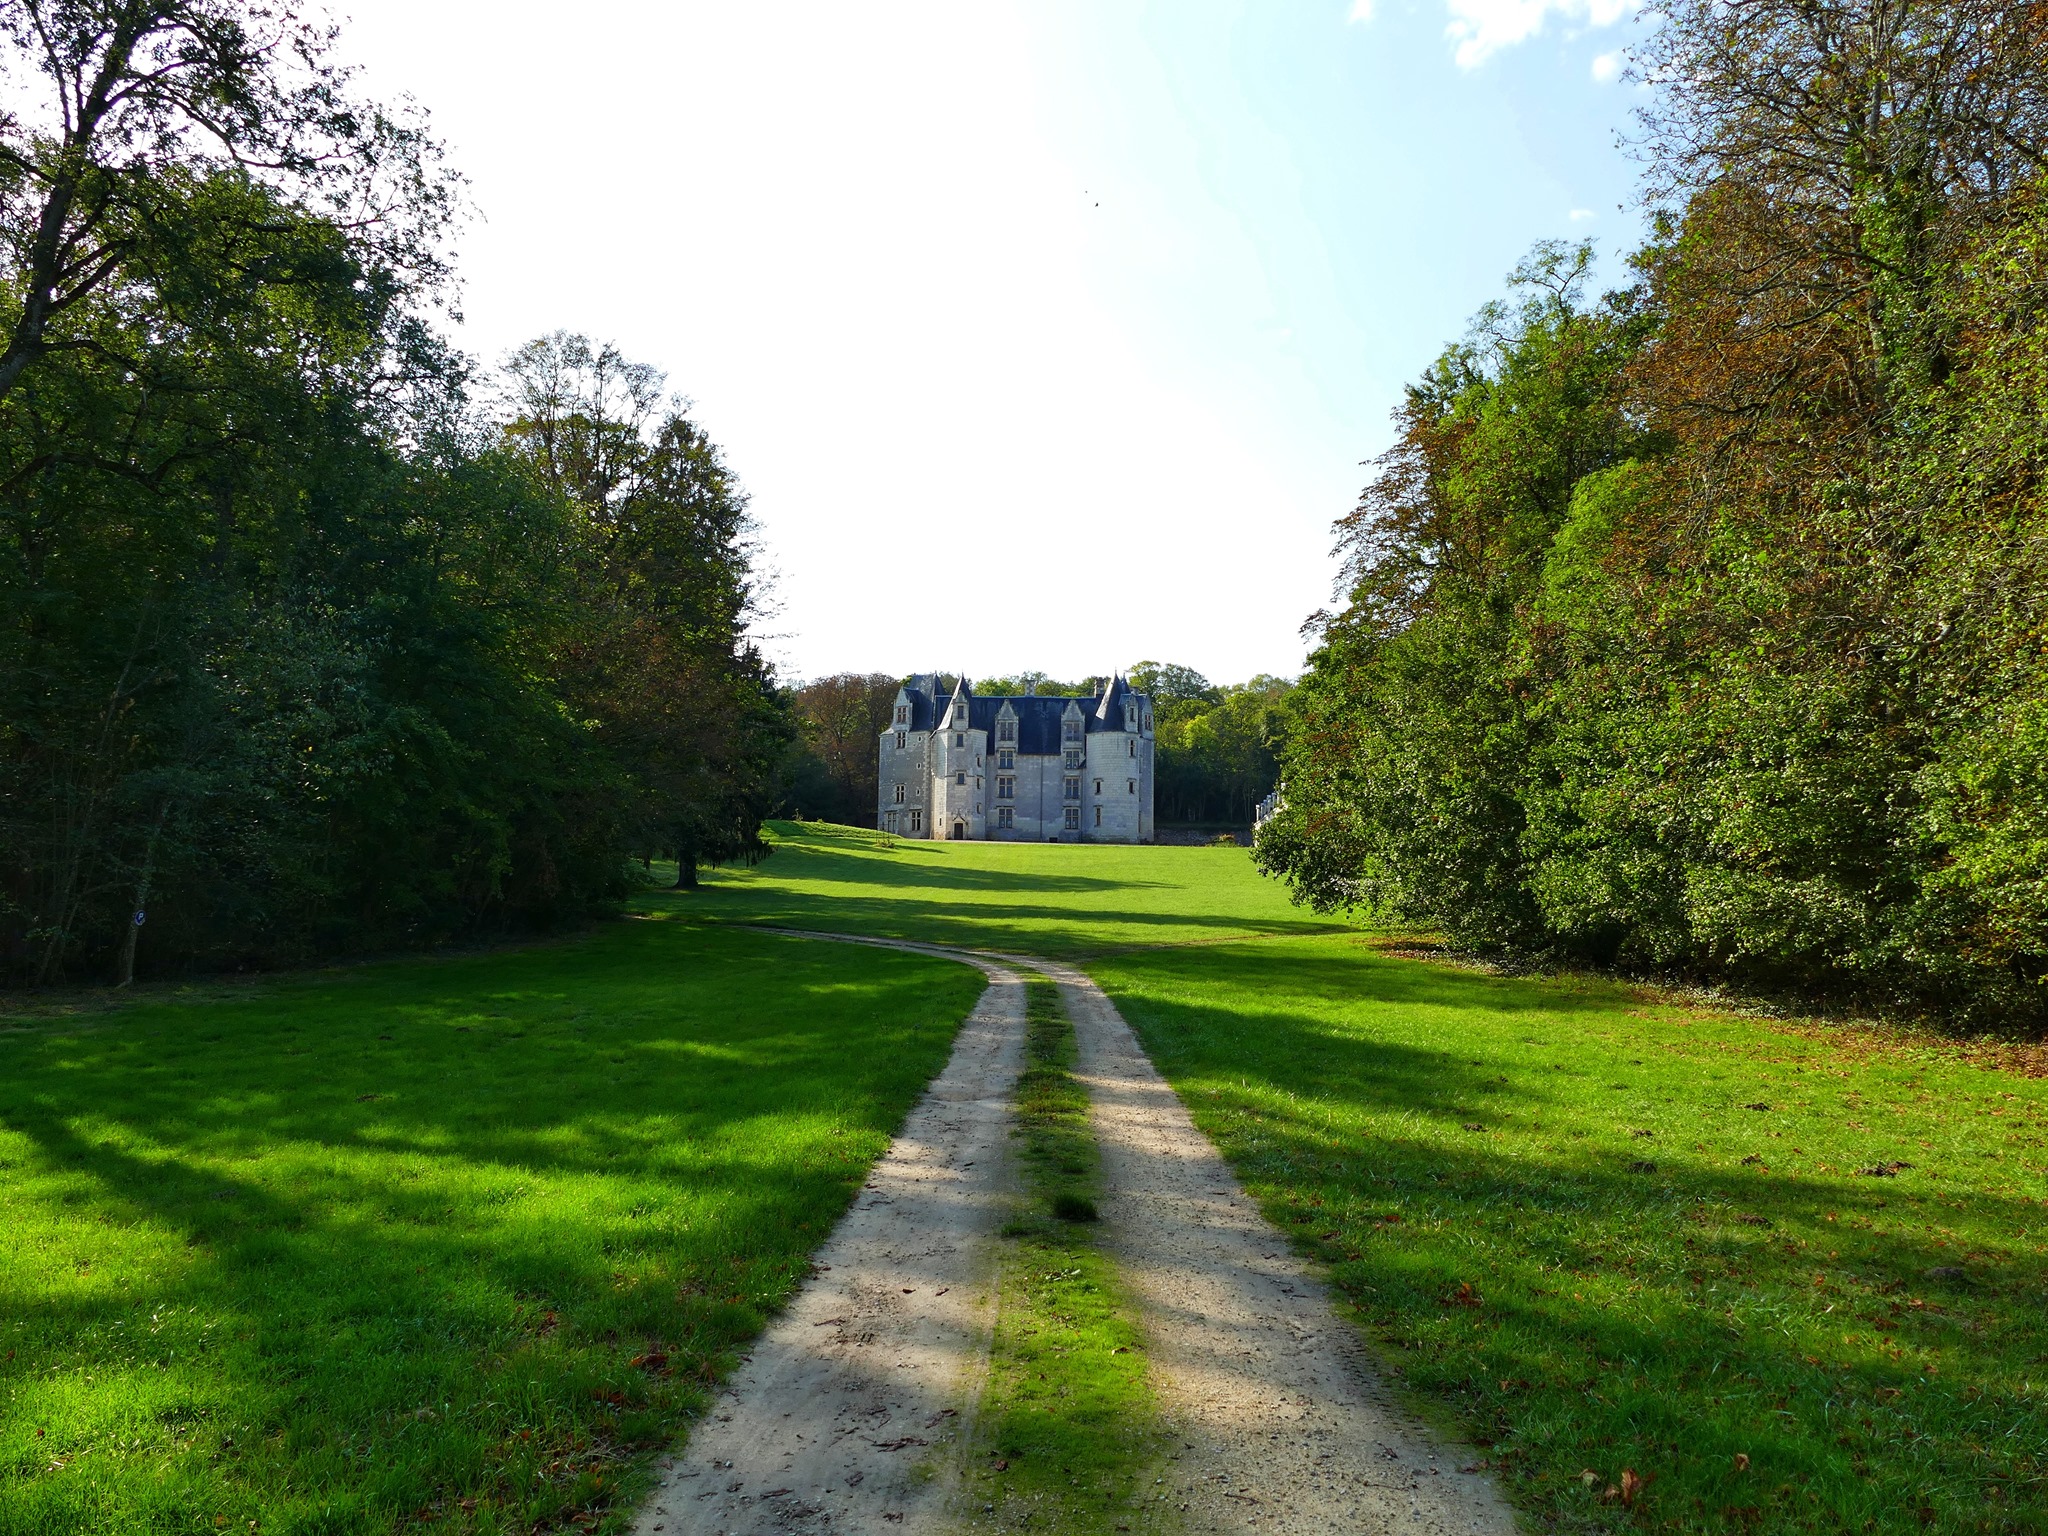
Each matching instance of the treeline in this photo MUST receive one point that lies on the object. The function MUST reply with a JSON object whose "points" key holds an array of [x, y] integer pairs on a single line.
{"points": [[1216, 747], [310, 639], [1702, 626]]}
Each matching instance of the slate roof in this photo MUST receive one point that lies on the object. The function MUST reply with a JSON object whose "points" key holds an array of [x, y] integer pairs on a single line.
{"points": [[1040, 717]]}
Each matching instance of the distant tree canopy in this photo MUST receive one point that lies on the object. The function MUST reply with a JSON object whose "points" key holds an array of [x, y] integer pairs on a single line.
{"points": [[833, 777], [1216, 748], [1034, 682], [301, 650], [1698, 626]]}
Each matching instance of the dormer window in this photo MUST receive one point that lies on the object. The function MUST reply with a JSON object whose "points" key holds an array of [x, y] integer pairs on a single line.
{"points": [[1006, 730], [903, 714], [1073, 732]]}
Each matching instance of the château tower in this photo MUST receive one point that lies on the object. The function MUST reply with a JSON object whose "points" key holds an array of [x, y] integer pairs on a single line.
{"points": [[1017, 768]]}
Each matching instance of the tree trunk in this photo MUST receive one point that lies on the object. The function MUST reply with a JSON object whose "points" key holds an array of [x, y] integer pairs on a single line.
{"points": [[686, 872], [134, 933]]}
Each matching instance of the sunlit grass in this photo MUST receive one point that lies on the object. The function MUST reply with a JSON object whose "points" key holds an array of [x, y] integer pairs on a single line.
{"points": [[452, 1243], [1561, 1224], [1044, 899], [1603, 1232], [1067, 1426]]}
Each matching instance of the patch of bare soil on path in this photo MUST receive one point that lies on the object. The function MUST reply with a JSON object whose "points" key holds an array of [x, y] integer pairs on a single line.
{"points": [[1286, 1426], [846, 1412]]}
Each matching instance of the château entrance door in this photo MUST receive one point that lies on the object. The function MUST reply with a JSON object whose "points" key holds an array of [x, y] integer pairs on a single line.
{"points": [[959, 831]]}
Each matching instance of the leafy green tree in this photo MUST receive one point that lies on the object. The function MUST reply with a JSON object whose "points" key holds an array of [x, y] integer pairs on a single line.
{"points": [[841, 719], [660, 553], [1698, 629]]}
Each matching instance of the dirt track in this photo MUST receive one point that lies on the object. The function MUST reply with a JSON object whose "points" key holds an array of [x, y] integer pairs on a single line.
{"points": [[851, 1399], [846, 1414], [1286, 1424]]}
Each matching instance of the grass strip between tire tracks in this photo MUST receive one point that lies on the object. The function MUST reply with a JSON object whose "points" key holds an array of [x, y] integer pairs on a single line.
{"points": [[1068, 1434]]}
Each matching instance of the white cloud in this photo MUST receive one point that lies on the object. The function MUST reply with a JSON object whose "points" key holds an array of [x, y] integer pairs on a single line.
{"points": [[1607, 66], [1361, 10], [1580, 215], [1481, 28]]}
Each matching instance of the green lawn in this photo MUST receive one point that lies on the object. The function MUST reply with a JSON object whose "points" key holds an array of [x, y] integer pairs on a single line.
{"points": [[1068, 1432], [1043, 899], [454, 1244], [444, 1243], [1558, 1214]]}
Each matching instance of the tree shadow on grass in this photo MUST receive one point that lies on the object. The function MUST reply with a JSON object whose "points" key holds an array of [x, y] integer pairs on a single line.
{"points": [[1574, 1297], [933, 872], [397, 1240], [1044, 930]]}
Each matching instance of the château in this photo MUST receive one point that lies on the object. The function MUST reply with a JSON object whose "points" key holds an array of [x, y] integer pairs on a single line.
{"points": [[1018, 768]]}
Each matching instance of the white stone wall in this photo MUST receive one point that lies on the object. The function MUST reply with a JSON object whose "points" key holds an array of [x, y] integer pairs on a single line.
{"points": [[910, 766], [949, 776], [960, 786], [1114, 789]]}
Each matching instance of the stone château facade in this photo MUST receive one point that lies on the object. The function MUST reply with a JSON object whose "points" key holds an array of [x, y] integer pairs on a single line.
{"points": [[1017, 769]]}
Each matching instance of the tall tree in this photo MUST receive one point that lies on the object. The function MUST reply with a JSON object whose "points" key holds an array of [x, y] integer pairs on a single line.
{"points": [[662, 555], [143, 104], [841, 718]]}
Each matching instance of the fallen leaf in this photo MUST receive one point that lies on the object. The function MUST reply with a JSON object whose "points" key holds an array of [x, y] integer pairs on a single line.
{"points": [[1632, 1487], [1589, 1477], [1742, 1461]]}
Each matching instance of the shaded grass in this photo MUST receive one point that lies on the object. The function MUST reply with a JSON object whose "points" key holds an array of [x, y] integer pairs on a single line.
{"points": [[1598, 1231], [1057, 899], [1067, 1428], [450, 1243]]}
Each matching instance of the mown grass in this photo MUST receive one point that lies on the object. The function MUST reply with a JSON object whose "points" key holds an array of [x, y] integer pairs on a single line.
{"points": [[1608, 1233], [446, 1245], [1067, 1427], [1042, 899], [1557, 1217]]}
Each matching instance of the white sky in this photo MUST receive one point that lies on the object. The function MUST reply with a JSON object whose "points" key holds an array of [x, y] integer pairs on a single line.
{"points": [[1044, 336]]}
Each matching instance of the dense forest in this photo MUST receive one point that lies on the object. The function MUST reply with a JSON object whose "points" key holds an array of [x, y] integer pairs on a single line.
{"points": [[314, 636], [1701, 626], [1216, 746]]}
